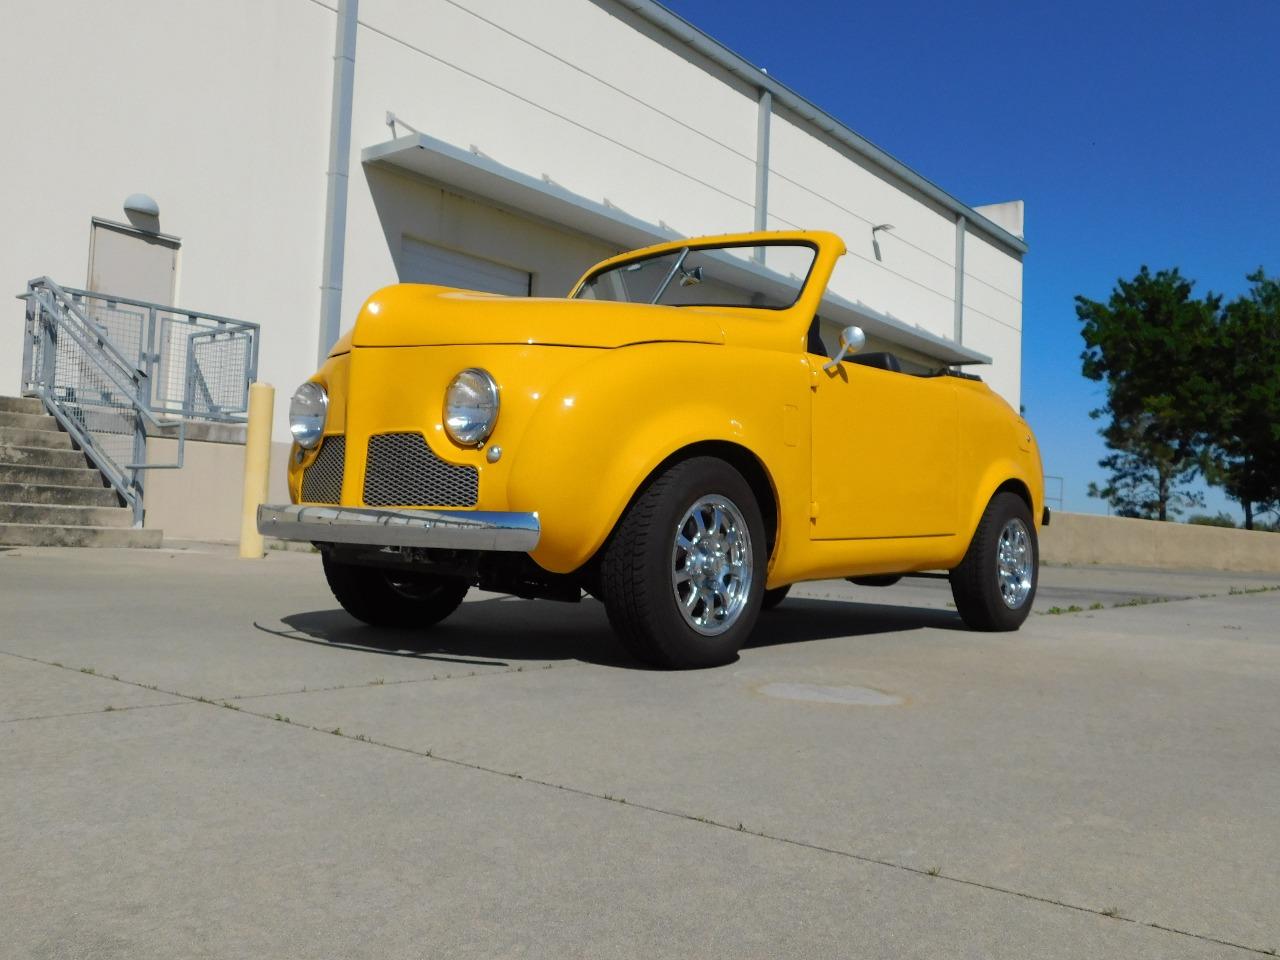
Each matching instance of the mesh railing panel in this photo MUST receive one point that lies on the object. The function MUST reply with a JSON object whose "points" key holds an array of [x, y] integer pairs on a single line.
{"points": [[201, 370], [88, 386], [90, 398], [217, 374], [124, 326]]}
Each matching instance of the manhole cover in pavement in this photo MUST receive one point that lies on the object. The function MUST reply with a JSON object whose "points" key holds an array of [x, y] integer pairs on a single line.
{"points": [[817, 693]]}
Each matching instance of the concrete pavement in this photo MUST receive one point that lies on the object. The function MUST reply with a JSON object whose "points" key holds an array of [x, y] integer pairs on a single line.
{"points": [[201, 756]]}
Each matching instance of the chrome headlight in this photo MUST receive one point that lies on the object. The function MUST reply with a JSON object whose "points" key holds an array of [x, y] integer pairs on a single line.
{"points": [[471, 407], [307, 412]]}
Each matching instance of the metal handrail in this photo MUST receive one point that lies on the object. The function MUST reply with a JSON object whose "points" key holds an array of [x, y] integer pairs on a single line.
{"points": [[83, 377], [127, 384]]}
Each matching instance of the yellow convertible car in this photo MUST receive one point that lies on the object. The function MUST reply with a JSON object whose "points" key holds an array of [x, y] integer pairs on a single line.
{"points": [[673, 438]]}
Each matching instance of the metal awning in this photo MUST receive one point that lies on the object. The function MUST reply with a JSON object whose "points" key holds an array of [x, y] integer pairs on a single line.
{"points": [[474, 173]]}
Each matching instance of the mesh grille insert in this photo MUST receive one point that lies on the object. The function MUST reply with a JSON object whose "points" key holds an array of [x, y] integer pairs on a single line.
{"points": [[403, 472], [322, 481]]}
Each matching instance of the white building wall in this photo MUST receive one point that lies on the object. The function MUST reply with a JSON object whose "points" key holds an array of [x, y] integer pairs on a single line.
{"points": [[993, 313], [218, 110], [221, 112], [813, 186]]}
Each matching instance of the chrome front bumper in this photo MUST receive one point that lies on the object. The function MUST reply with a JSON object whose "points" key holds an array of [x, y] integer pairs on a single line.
{"points": [[441, 529]]}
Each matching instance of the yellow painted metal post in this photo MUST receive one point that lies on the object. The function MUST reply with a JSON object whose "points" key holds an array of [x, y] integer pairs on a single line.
{"points": [[257, 464]]}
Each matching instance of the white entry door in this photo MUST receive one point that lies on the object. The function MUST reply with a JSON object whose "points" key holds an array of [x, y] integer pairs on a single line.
{"points": [[130, 263], [422, 262]]}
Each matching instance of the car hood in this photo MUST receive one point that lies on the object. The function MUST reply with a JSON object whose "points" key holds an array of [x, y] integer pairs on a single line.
{"points": [[415, 315]]}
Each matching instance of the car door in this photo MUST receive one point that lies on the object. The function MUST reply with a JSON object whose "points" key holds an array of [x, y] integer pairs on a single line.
{"points": [[885, 448]]}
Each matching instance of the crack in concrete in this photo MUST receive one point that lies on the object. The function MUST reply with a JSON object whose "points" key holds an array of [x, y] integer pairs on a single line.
{"points": [[929, 874], [434, 678], [106, 709]]}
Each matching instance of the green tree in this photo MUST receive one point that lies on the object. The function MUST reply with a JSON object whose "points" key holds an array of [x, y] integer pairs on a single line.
{"points": [[1248, 363], [1148, 478], [1149, 344]]}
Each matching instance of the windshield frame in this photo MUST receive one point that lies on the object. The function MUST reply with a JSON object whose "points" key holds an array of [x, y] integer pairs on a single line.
{"points": [[683, 248]]}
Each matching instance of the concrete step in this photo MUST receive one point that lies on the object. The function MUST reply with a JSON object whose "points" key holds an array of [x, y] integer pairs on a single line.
{"points": [[70, 496], [62, 515], [40, 456], [82, 476], [21, 405], [28, 421], [53, 439], [39, 535]]}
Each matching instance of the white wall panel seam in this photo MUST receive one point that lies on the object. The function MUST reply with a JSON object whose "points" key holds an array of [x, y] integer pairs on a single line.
{"points": [[596, 77], [971, 309], [839, 206], [991, 286], [750, 203]]}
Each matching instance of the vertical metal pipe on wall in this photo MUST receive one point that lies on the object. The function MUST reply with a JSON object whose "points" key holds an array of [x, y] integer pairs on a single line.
{"points": [[335, 213], [961, 224], [763, 118]]}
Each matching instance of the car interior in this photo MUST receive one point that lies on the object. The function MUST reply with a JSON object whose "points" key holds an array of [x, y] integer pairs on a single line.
{"points": [[880, 359]]}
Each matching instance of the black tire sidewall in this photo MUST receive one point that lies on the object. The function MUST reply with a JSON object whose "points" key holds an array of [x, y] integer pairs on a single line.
{"points": [[975, 583], [663, 636], [368, 595]]}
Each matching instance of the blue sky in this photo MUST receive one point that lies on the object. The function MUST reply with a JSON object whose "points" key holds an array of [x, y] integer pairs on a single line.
{"points": [[1136, 132]]}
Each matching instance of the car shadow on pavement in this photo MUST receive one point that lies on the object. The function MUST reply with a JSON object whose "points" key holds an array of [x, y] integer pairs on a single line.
{"points": [[501, 631], [799, 620]]}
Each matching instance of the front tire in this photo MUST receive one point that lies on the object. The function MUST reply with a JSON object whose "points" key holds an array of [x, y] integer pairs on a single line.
{"points": [[382, 598], [995, 584], [684, 571]]}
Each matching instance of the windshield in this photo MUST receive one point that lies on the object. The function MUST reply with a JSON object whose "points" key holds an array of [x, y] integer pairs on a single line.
{"points": [[715, 276]]}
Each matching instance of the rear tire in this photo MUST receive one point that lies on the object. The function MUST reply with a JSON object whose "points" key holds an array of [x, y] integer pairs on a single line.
{"points": [[382, 598], [995, 584], [683, 573]]}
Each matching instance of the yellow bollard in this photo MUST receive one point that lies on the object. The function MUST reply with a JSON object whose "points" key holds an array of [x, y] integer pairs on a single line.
{"points": [[257, 464]]}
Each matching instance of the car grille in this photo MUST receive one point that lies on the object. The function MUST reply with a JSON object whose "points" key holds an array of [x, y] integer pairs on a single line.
{"points": [[403, 472], [322, 481]]}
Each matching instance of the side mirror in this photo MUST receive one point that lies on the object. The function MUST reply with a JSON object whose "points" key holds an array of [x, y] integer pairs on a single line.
{"points": [[689, 278], [852, 339]]}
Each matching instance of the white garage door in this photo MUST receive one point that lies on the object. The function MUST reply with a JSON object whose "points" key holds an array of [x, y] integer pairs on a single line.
{"points": [[422, 262]]}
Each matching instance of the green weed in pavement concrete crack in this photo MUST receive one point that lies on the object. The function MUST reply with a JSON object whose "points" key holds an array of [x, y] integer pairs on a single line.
{"points": [[933, 871], [1146, 601], [1055, 611]]}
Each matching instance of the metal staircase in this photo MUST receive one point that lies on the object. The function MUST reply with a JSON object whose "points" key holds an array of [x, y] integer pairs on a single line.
{"points": [[101, 374]]}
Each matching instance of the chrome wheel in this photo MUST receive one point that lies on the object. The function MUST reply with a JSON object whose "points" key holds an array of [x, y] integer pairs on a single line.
{"points": [[711, 565], [1014, 564]]}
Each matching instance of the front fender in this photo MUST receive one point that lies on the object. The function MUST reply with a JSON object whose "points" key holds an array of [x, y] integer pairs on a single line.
{"points": [[605, 428]]}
